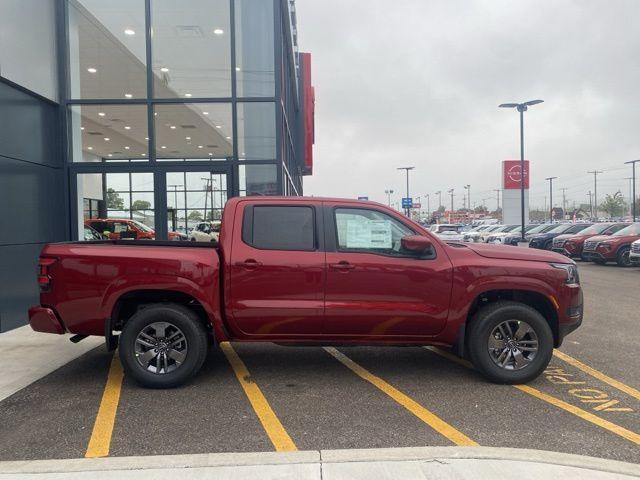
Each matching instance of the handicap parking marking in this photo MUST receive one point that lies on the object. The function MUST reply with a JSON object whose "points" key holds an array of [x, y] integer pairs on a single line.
{"points": [[428, 417], [556, 402], [100, 440], [272, 425]]}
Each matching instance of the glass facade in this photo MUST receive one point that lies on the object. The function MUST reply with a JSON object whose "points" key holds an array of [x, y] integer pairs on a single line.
{"points": [[173, 106]]}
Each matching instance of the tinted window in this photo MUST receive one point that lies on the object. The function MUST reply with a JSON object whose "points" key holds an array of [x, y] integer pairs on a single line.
{"points": [[369, 231], [280, 228], [576, 228]]}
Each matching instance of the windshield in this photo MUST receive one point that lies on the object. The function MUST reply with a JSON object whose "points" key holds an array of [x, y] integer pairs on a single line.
{"points": [[142, 226], [538, 228], [633, 229], [448, 228], [596, 229], [561, 228]]}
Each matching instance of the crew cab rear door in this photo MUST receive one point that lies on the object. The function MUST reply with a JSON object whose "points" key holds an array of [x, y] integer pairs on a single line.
{"points": [[277, 269], [374, 288]]}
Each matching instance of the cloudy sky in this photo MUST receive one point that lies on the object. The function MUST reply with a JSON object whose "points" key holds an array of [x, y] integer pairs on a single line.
{"points": [[418, 82]]}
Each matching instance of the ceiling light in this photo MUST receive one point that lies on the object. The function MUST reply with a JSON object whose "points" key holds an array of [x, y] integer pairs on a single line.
{"points": [[199, 146], [127, 148], [129, 31], [210, 153], [187, 138], [106, 139], [172, 127], [127, 127], [110, 155], [81, 128], [128, 95], [163, 146], [101, 114], [89, 148], [187, 94], [91, 70], [218, 126], [146, 138], [218, 31], [143, 154], [164, 69], [205, 113], [228, 138], [237, 69], [155, 114]]}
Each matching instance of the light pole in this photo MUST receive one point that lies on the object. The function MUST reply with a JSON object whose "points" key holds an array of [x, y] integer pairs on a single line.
{"points": [[633, 190], [206, 195], [521, 107], [450, 192], [595, 193], [497, 190], [389, 193], [175, 204], [406, 169], [428, 209], [590, 202], [439, 193], [551, 179], [468, 189]]}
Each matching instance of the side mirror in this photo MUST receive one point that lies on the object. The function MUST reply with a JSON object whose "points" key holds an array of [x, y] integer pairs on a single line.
{"points": [[416, 243]]}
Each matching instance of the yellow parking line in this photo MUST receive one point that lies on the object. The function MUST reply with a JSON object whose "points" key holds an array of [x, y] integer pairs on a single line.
{"points": [[599, 375], [414, 407], [579, 412], [100, 440], [270, 422]]}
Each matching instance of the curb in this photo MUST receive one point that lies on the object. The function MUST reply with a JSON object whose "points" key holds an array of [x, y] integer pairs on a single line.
{"points": [[317, 456]]}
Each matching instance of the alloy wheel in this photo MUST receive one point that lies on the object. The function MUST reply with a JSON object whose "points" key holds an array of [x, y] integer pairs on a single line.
{"points": [[161, 348], [513, 345]]}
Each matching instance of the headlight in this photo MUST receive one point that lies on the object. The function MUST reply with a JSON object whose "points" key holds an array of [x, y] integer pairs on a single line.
{"points": [[572, 272]]}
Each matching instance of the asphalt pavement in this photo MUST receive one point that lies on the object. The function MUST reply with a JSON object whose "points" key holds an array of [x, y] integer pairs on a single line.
{"points": [[312, 398]]}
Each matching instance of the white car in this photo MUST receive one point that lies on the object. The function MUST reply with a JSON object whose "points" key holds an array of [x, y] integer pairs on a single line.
{"points": [[634, 255], [473, 235], [448, 232], [205, 232]]}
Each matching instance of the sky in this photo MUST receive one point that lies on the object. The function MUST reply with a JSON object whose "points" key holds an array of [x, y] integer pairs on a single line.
{"points": [[418, 83]]}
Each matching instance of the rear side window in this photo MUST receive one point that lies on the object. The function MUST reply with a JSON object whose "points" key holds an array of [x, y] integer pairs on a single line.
{"points": [[279, 227]]}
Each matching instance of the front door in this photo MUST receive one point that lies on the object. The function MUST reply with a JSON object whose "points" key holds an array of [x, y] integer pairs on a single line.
{"points": [[277, 270], [373, 287]]}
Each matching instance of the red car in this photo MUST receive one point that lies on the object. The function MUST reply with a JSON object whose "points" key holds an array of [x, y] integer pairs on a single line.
{"points": [[125, 228], [612, 248], [315, 271], [571, 244]]}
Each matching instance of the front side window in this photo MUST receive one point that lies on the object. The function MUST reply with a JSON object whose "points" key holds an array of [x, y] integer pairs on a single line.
{"points": [[280, 228], [370, 231]]}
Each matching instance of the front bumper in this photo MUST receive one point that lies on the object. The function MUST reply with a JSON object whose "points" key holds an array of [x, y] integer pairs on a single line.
{"points": [[634, 258], [570, 317], [44, 319]]}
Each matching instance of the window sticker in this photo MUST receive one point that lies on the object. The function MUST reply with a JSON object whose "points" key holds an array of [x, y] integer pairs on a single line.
{"points": [[364, 233]]}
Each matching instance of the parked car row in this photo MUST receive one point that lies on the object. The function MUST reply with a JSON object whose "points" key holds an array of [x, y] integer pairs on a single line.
{"points": [[125, 229], [599, 243]]}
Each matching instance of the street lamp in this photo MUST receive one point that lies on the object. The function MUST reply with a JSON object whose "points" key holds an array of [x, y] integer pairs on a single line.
{"points": [[551, 179], [633, 194], [389, 193], [406, 169], [521, 107], [450, 192], [468, 189]]}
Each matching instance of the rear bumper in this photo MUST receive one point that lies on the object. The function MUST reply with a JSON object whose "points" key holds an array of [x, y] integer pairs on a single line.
{"points": [[43, 319]]}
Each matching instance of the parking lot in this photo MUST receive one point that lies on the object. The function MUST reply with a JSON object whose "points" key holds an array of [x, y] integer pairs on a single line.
{"points": [[264, 397]]}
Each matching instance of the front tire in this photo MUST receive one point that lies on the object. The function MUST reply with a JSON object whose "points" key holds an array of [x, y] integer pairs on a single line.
{"points": [[163, 345], [510, 342]]}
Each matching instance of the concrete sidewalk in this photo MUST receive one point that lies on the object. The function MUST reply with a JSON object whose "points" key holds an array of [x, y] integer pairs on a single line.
{"points": [[32, 355], [380, 464]]}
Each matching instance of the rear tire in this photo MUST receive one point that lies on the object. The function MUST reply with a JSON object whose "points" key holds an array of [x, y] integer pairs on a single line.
{"points": [[510, 358], [169, 328], [622, 258]]}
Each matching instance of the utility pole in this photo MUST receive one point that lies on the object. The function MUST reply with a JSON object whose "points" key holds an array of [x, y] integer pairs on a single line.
{"points": [[468, 189], [590, 203], [439, 193], [633, 189], [389, 193], [206, 196], [451, 193], [595, 192], [551, 179], [428, 209], [497, 190], [564, 201], [406, 169]]}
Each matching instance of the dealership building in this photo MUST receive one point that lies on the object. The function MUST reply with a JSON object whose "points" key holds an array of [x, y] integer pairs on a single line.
{"points": [[154, 111]]}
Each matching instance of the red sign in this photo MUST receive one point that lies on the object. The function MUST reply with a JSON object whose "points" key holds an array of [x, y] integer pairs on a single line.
{"points": [[416, 205], [511, 174]]}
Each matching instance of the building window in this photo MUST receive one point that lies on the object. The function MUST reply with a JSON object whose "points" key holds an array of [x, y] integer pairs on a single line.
{"points": [[109, 133], [194, 197], [191, 48], [256, 131], [259, 180], [107, 53], [193, 131], [254, 48]]}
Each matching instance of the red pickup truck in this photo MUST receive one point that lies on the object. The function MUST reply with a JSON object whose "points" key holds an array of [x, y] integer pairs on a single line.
{"points": [[310, 271]]}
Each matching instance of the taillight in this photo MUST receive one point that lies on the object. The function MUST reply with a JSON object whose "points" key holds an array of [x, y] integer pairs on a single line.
{"points": [[44, 279]]}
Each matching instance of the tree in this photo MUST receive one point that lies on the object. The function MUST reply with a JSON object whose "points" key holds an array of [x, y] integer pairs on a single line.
{"points": [[614, 205], [114, 201], [141, 205], [481, 209], [212, 215], [194, 215]]}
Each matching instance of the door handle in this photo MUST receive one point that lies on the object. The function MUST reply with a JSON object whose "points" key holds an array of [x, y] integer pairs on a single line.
{"points": [[249, 264], [343, 265]]}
